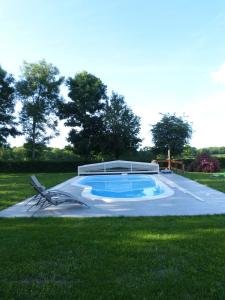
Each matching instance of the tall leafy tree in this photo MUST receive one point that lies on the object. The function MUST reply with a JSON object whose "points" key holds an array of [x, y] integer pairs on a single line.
{"points": [[7, 105], [171, 133], [39, 90], [84, 112], [121, 127]]}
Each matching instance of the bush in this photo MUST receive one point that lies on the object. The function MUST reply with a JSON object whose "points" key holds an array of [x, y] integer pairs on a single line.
{"points": [[204, 163], [222, 162], [41, 166]]}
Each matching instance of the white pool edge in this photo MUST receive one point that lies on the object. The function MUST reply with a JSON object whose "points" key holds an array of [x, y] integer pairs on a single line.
{"points": [[87, 195]]}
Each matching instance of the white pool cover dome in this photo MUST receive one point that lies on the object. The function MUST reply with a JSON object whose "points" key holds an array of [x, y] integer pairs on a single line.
{"points": [[119, 167]]}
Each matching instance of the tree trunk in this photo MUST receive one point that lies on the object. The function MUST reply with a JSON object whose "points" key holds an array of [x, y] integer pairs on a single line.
{"points": [[33, 140]]}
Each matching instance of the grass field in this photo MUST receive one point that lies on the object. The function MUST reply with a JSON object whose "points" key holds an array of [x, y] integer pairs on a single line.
{"points": [[113, 258], [217, 183], [109, 258]]}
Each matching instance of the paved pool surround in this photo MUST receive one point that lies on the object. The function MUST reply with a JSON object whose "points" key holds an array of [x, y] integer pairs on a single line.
{"points": [[189, 199]]}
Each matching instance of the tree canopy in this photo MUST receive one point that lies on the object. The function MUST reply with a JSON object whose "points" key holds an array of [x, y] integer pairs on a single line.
{"points": [[84, 112], [38, 89], [7, 105], [100, 124], [121, 127], [171, 133]]}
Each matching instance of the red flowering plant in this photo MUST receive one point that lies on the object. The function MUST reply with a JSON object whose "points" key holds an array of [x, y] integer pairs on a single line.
{"points": [[204, 163]]}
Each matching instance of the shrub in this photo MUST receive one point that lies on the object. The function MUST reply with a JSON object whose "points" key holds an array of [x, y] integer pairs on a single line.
{"points": [[204, 163], [41, 166], [222, 162]]}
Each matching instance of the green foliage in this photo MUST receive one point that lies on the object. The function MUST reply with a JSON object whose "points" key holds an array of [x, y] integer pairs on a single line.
{"points": [[19, 153], [38, 89], [15, 153], [222, 162], [84, 112], [187, 162], [121, 127], [7, 104], [144, 154], [39, 148], [189, 152], [171, 133], [213, 150], [58, 160], [5, 153], [101, 126], [66, 154], [58, 155], [43, 153]]}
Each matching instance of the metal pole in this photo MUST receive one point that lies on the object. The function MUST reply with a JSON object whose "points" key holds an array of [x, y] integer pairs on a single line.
{"points": [[169, 159]]}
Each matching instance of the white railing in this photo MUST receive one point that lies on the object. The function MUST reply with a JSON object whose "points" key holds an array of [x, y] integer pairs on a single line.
{"points": [[118, 167]]}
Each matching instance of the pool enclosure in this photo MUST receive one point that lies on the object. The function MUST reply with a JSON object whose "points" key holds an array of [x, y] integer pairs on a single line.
{"points": [[119, 167]]}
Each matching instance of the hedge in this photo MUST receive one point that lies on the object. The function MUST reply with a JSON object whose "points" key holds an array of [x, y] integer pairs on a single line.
{"points": [[40, 166], [61, 166], [222, 162]]}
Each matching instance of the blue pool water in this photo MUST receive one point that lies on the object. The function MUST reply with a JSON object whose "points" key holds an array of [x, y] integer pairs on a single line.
{"points": [[123, 186]]}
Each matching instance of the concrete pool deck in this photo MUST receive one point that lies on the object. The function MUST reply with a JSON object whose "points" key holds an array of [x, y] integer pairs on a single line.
{"points": [[190, 198]]}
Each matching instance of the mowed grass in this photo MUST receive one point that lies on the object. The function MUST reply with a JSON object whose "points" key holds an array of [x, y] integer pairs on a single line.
{"points": [[113, 258], [15, 187], [109, 258], [208, 179]]}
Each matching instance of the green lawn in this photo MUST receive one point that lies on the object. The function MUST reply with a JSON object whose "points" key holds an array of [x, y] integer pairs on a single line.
{"points": [[113, 258], [217, 183], [15, 187], [108, 258]]}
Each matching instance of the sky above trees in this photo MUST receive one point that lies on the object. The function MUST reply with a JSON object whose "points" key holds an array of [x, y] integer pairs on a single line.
{"points": [[163, 56]]}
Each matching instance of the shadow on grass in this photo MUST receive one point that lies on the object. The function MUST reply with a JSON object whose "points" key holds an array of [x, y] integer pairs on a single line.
{"points": [[113, 258]]}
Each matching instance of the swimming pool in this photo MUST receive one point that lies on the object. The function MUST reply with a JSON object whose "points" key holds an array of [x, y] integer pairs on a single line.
{"points": [[112, 188]]}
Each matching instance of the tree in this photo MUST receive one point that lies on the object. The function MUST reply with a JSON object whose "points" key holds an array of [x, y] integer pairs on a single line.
{"points": [[84, 112], [7, 105], [171, 134], [38, 89], [189, 152], [121, 127]]}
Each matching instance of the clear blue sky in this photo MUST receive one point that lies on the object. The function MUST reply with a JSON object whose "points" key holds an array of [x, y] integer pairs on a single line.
{"points": [[163, 56]]}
